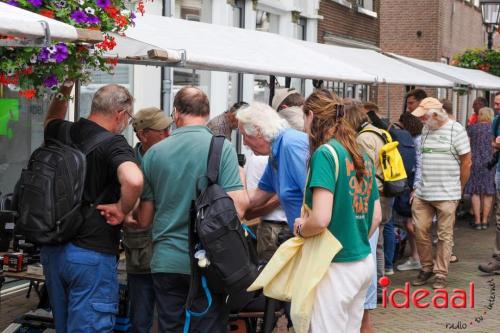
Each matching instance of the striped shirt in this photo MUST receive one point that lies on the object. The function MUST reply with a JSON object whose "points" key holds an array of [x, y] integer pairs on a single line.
{"points": [[441, 149]]}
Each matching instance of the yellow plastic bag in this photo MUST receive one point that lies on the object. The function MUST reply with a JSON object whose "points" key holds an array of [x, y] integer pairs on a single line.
{"points": [[295, 270]]}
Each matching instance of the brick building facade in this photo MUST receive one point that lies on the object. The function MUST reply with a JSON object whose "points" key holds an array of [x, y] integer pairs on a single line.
{"points": [[341, 19], [430, 30], [425, 29]]}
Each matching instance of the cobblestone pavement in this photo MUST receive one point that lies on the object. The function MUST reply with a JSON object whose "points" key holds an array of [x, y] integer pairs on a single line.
{"points": [[471, 247]]}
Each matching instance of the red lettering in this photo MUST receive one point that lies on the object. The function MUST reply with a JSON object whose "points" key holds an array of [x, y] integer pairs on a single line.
{"points": [[417, 296], [441, 294], [405, 292], [471, 294], [384, 297], [459, 294]]}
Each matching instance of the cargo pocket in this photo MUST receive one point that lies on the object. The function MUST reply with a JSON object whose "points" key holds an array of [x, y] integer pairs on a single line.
{"points": [[138, 252], [104, 316]]}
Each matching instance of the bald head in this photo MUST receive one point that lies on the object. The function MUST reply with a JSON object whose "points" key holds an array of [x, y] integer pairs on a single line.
{"points": [[111, 98], [192, 101]]}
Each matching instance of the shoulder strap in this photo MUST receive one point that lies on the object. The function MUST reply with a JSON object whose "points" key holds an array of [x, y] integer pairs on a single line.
{"points": [[87, 146], [214, 157], [335, 158], [384, 135], [64, 132]]}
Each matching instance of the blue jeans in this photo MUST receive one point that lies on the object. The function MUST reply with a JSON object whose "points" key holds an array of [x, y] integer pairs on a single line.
{"points": [[389, 244], [82, 286], [142, 302]]}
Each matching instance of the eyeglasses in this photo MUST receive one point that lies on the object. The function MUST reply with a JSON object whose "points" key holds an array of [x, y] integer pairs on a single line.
{"points": [[132, 118]]}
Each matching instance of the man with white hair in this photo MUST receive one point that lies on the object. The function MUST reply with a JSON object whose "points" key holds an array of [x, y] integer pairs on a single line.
{"points": [[265, 133], [446, 162]]}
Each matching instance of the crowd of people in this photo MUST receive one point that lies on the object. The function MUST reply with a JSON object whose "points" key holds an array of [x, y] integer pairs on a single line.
{"points": [[314, 166]]}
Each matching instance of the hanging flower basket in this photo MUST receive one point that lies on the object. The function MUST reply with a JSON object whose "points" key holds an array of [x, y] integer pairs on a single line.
{"points": [[38, 72], [485, 60]]}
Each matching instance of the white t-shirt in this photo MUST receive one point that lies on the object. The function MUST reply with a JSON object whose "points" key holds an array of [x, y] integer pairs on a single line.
{"points": [[441, 150], [255, 167]]}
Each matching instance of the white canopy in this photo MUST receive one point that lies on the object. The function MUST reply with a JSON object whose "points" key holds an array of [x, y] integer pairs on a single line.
{"points": [[471, 77], [385, 69], [18, 22], [228, 49]]}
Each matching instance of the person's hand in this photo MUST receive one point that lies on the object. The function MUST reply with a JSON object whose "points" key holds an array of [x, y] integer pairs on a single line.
{"points": [[112, 213], [130, 221], [298, 222], [411, 226], [412, 196]]}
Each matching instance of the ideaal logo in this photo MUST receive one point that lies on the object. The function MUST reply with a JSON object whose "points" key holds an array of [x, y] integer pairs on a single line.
{"points": [[422, 298], [439, 299]]}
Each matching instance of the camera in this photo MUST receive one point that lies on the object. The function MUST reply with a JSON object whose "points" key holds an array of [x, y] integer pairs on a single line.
{"points": [[491, 163]]}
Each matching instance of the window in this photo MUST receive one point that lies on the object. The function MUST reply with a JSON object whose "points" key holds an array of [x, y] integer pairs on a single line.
{"points": [[123, 76], [301, 29], [366, 4], [21, 132], [267, 22]]}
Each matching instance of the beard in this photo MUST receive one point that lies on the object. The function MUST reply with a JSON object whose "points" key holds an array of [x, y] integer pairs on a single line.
{"points": [[432, 124]]}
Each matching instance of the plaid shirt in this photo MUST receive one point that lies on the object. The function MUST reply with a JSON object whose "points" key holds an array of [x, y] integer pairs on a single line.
{"points": [[220, 126]]}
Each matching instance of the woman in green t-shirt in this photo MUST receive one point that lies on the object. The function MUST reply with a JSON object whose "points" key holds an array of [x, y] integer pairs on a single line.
{"points": [[347, 175]]}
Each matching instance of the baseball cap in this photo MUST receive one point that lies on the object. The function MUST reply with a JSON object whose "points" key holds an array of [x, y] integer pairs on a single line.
{"points": [[280, 95], [425, 105], [151, 117]]}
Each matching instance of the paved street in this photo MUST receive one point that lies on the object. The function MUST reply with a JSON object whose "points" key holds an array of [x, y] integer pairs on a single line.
{"points": [[471, 246]]}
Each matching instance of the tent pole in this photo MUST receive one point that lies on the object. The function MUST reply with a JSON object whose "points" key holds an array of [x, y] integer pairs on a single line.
{"points": [[388, 102], [272, 84], [77, 100], [166, 72]]}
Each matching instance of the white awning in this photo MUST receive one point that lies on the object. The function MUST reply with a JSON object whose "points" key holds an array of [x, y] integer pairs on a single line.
{"points": [[18, 22], [385, 69], [471, 77], [228, 49]]}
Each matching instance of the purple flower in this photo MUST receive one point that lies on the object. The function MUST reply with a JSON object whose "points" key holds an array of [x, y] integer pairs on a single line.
{"points": [[93, 20], [102, 3], [79, 16], [13, 3], [44, 54], [36, 3], [61, 53], [50, 81], [132, 15]]}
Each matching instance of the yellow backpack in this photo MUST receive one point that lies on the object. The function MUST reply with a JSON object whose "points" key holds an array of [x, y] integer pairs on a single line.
{"points": [[395, 179]]}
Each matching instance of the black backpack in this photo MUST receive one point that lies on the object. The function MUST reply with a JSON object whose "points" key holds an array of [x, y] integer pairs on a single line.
{"points": [[49, 192], [217, 230]]}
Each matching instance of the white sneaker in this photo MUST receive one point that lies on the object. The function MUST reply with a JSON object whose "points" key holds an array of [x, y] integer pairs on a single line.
{"points": [[409, 265], [388, 271]]}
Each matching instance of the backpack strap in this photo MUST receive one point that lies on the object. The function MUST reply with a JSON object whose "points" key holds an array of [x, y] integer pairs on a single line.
{"points": [[214, 158], [384, 135], [89, 145], [335, 158]]}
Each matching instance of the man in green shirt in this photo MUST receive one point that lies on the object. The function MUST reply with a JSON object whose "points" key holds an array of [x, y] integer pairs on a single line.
{"points": [[151, 125], [171, 169]]}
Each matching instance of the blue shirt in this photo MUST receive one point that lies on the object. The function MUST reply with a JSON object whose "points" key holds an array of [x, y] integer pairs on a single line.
{"points": [[495, 130], [286, 171]]}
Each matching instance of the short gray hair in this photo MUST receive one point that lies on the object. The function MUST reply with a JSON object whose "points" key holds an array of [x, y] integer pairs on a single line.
{"points": [[294, 116], [112, 97], [261, 118]]}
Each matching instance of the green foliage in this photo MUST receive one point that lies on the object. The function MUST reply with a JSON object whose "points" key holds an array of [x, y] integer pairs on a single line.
{"points": [[485, 60]]}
